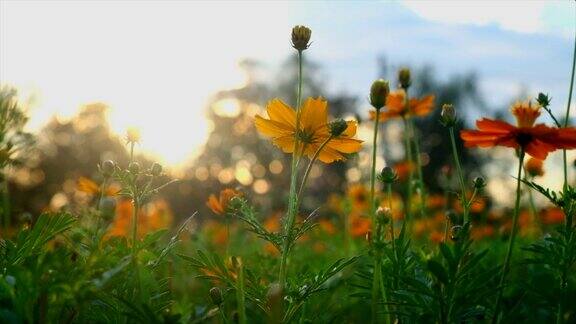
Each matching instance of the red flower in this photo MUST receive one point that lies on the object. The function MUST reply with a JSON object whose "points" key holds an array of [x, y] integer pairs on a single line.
{"points": [[536, 140]]}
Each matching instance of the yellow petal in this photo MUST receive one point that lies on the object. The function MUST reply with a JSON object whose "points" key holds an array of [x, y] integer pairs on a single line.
{"points": [[345, 145], [314, 114], [278, 111], [272, 128], [328, 155]]}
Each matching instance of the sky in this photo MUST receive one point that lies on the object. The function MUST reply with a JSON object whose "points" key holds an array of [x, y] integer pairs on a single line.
{"points": [[157, 63]]}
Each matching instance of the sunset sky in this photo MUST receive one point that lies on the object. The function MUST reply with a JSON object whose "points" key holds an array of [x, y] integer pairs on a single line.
{"points": [[157, 63]]}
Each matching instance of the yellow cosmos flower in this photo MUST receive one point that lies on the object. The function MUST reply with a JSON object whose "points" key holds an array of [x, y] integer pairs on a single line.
{"points": [[313, 131]]}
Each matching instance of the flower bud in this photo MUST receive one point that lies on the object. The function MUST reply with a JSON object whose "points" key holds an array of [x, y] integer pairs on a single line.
{"points": [[534, 167], [383, 215], [404, 78], [378, 93], [479, 183], [156, 169], [387, 175], [448, 115], [543, 100], [216, 296], [107, 168], [301, 37], [337, 127], [134, 167], [456, 232]]}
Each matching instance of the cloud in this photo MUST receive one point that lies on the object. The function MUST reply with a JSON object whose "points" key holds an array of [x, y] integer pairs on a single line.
{"points": [[524, 17]]}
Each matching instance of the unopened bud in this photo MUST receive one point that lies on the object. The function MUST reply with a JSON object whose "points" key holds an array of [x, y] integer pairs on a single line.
{"points": [[456, 232], [404, 78], [378, 93], [156, 169], [479, 183], [448, 115], [216, 296], [543, 100], [383, 215], [134, 167], [301, 37], [388, 175], [337, 127], [107, 168]]}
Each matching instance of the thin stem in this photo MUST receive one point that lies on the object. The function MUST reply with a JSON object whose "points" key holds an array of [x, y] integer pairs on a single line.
{"points": [[292, 199], [567, 118], [135, 224], [495, 318], [241, 300], [373, 170], [418, 167], [465, 204], [309, 167], [410, 171], [392, 239]]}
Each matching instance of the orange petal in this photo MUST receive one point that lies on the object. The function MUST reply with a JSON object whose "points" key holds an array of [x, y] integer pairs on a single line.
{"points": [[496, 126], [314, 114], [345, 145], [214, 205], [88, 186], [329, 155], [422, 107], [278, 111], [396, 100], [272, 128]]}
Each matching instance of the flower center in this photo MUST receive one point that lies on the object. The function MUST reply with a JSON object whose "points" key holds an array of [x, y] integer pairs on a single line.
{"points": [[525, 113]]}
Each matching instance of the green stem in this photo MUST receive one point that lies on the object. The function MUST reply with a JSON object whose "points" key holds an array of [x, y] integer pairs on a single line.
{"points": [[309, 167], [410, 172], [6, 203], [392, 239], [292, 198], [568, 112], [135, 225], [464, 200], [373, 170], [241, 299], [418, 167], [495, 318]]}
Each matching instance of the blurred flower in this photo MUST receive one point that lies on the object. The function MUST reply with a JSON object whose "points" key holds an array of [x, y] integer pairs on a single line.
{"points": [[152, 217], [396, 106], [359, 225], [481, 231], [313, 131], [327, 226], [552, 216], [90, 187], [358, 195], [534, 167], [536, 140], [219, 205], [403, 169], [133, 135]]}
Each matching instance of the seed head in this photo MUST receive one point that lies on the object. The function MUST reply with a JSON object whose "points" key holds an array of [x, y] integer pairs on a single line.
{"points": [[543, 100], [479, 183]]}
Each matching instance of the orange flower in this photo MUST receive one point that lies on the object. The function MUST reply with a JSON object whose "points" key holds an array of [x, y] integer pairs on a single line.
{"points": [[534, 167], [403, 169], [359, 226], [219, 205], [396, 106], [90, 187], [552, 216], [327, 226], [312, 131], [151, 217], [536, 140], [358, 195]]}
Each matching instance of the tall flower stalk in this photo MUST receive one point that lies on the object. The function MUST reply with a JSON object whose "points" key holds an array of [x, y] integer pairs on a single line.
{"points": [[378, 94], [567, 117], [508, 258], [300, 41]]}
